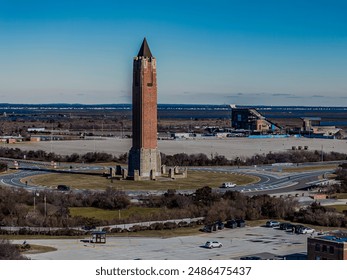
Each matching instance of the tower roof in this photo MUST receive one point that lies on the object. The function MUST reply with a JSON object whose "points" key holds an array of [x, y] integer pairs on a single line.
{"points": [[144, 50]]}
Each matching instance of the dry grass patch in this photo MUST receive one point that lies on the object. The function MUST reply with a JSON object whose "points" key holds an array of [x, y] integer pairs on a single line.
{"points": [[38, 249], [310, 168], [341, 195], [91, 212], [196, 179], [339, 208]]}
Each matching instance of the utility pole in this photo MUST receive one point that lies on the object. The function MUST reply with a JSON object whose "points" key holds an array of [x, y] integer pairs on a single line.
{"points": [[35, 194], [45, 201]]}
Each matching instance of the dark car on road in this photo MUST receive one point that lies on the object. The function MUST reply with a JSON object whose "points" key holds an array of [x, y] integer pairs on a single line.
{"points": [[63, 188]]}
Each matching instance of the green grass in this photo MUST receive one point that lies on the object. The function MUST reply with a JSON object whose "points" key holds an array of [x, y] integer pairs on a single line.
{"points": [[338, 208], [91, 212], [341, 195], [310, 168], [38, 249], [196, 179]]}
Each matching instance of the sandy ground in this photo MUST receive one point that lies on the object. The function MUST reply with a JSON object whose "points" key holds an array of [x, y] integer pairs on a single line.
{"points": [[230, 147]]}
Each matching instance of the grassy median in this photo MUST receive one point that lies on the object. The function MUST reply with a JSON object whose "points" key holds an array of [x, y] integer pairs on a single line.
{"points": [[196, 179]]}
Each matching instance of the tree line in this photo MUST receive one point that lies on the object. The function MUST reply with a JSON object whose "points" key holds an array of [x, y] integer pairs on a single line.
{"points": [[52, 209], [298, 156], [40, 155], [17, 206]]}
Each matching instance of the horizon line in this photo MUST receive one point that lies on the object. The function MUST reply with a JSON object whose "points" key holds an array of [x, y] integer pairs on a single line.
{"points": [[172, 104]]}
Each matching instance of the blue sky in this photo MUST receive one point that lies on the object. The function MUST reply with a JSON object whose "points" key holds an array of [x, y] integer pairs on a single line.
{"points": [[269, 52]]}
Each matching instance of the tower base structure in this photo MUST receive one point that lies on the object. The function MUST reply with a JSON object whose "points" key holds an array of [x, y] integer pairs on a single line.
{"points": [[144, 164]]}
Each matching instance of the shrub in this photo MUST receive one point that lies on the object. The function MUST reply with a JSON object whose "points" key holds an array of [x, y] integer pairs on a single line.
{"points": [[9, 251]]}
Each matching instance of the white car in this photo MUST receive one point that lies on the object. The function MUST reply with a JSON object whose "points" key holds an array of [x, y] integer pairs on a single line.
{"points": [[228, 185], [307, 230], [213, 244], [272, 224]]}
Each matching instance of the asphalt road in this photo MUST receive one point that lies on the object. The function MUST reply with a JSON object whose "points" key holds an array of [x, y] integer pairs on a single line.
{"points": [[270, 182]]}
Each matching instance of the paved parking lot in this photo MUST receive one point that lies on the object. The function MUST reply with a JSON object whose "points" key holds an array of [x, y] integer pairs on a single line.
{"points": [[236, 243]]}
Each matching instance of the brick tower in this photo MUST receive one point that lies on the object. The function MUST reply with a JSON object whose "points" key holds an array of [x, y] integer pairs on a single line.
{"points": [[144, 156]]}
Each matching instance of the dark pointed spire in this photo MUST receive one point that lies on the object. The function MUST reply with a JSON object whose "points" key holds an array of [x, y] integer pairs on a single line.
{"points": [[144, 50]]}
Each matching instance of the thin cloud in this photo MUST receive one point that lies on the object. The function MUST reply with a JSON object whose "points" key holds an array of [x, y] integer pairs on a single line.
{"points": [[296, 97], [282, 94], [317, 96]]}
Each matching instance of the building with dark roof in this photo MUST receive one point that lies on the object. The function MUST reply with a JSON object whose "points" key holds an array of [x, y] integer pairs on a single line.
{"points": [[250, 119]]}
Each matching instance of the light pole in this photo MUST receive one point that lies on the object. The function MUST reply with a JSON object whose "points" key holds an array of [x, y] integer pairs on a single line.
{"points": [[35, 194], [51, 139], [45, 202]]}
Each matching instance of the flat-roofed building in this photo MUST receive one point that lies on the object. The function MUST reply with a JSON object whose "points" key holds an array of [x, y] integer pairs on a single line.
{"points": [[327, 247], [251, 119], [309, 122]]}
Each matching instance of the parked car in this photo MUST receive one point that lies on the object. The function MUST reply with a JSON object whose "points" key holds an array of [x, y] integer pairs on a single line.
{"points": [[286, 226], [272, 224], [298, 228], [231, 224], [219, 225], [206, 229], [213, 244], [86, 227], [306, 230], [214, 227], [241, 222]]}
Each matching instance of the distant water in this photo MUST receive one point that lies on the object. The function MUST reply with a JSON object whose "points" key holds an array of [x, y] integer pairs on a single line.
{"points": [[336, 115], [335, 123]]}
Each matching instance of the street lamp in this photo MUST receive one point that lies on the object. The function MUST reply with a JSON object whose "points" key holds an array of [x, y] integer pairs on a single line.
{"points": [[45, 202], [35, 194]]}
